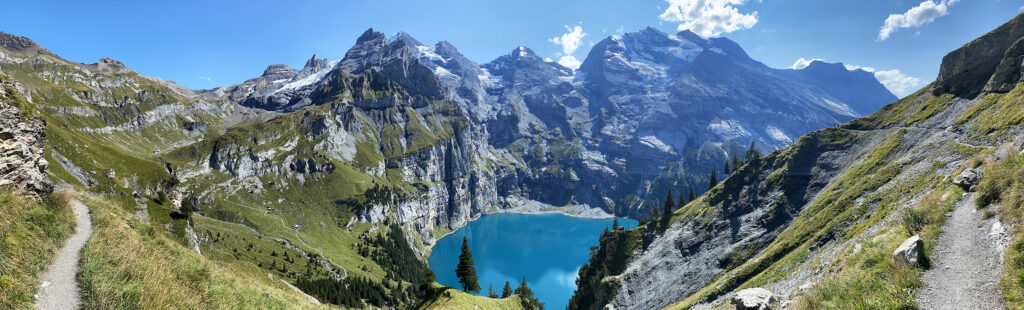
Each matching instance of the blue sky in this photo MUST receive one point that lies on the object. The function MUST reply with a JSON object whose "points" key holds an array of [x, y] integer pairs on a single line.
{"points": [[204, 45]]}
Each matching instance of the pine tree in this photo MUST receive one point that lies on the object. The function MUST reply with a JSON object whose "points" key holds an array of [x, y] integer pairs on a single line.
{"points": [[727, 170], [682, 200], [713, 180], [752, 152], [615, 223], [507, 291], [692, 195], [465, 270], [667, 208], [490, 291], [736, 162], [526, 297]]}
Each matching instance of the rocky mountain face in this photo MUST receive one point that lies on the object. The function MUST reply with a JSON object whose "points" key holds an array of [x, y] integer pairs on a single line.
{"points": [[788, 221], [644, 113]]}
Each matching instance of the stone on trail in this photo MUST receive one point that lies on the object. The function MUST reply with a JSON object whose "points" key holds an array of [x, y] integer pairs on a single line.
{"points": [[968, 180], [754, 299], [910, 253]]}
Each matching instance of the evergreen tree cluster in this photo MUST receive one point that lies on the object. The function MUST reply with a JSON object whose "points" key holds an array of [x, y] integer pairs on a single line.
{"points": [[372, 196], [348, 293], [393, 254], [607, 259], [526, 297]]}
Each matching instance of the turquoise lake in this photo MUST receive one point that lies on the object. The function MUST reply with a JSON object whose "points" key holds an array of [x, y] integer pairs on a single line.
{"points": [[548, 249]]}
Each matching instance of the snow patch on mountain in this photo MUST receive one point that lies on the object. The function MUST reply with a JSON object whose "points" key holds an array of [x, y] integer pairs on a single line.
{"points": [[728, 129], [655, 143], [777, 134], [300, 82]]}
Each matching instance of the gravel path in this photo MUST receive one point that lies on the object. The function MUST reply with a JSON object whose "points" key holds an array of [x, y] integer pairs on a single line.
{"points": [[59, 289], [966, 263]]}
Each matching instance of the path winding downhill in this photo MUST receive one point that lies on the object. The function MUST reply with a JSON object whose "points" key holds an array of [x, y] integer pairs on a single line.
{"points": [[59, 289], [966, 263]]}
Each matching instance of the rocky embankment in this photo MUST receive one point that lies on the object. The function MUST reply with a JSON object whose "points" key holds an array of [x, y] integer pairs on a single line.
{"points": [[23, 166]]}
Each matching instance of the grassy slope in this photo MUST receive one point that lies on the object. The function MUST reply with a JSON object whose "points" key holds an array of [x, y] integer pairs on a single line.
{"points": [[30, 234], [132, 265], [446, 298]]}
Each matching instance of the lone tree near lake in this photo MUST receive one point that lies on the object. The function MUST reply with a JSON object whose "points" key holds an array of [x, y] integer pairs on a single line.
{"points": [[465, 270]]}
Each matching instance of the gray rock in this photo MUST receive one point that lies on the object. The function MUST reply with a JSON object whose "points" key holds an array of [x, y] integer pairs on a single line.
{"points": [[754, 299], [968, 180], [910, 252], [23, 166]]}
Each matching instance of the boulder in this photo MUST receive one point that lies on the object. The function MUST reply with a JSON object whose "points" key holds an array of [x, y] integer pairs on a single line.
{"points": [[910, 253], [968, 180], [754, 299]]}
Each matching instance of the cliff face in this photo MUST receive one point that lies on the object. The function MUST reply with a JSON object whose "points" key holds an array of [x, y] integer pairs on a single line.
{"points": [[990, 63], [22, 164]]}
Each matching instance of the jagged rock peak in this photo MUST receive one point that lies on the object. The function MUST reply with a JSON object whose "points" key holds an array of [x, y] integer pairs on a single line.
{"points": [[315, 64], [523, 52], [690, 36], [445, 48], [15, 42], [402, 36], [370, 35]]}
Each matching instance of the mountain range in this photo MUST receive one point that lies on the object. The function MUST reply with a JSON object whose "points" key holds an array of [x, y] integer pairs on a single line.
{"points": [[644, 106], [404, 139]]}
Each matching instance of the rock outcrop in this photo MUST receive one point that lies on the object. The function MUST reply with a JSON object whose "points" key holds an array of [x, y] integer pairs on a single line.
{"points": [[990, 63], [23, 166]]}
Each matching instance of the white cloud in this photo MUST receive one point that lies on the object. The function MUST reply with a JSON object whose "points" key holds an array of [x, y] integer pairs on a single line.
{"points": [[206, 78], [569, 61], [708, 18], [897, 82], [803, 63], [917, 16], [894, 80], [570, 42]]}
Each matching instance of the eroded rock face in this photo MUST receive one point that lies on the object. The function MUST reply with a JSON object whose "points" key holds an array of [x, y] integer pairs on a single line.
{"points": [[910, 252], [754, 299], [22, 164]]}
